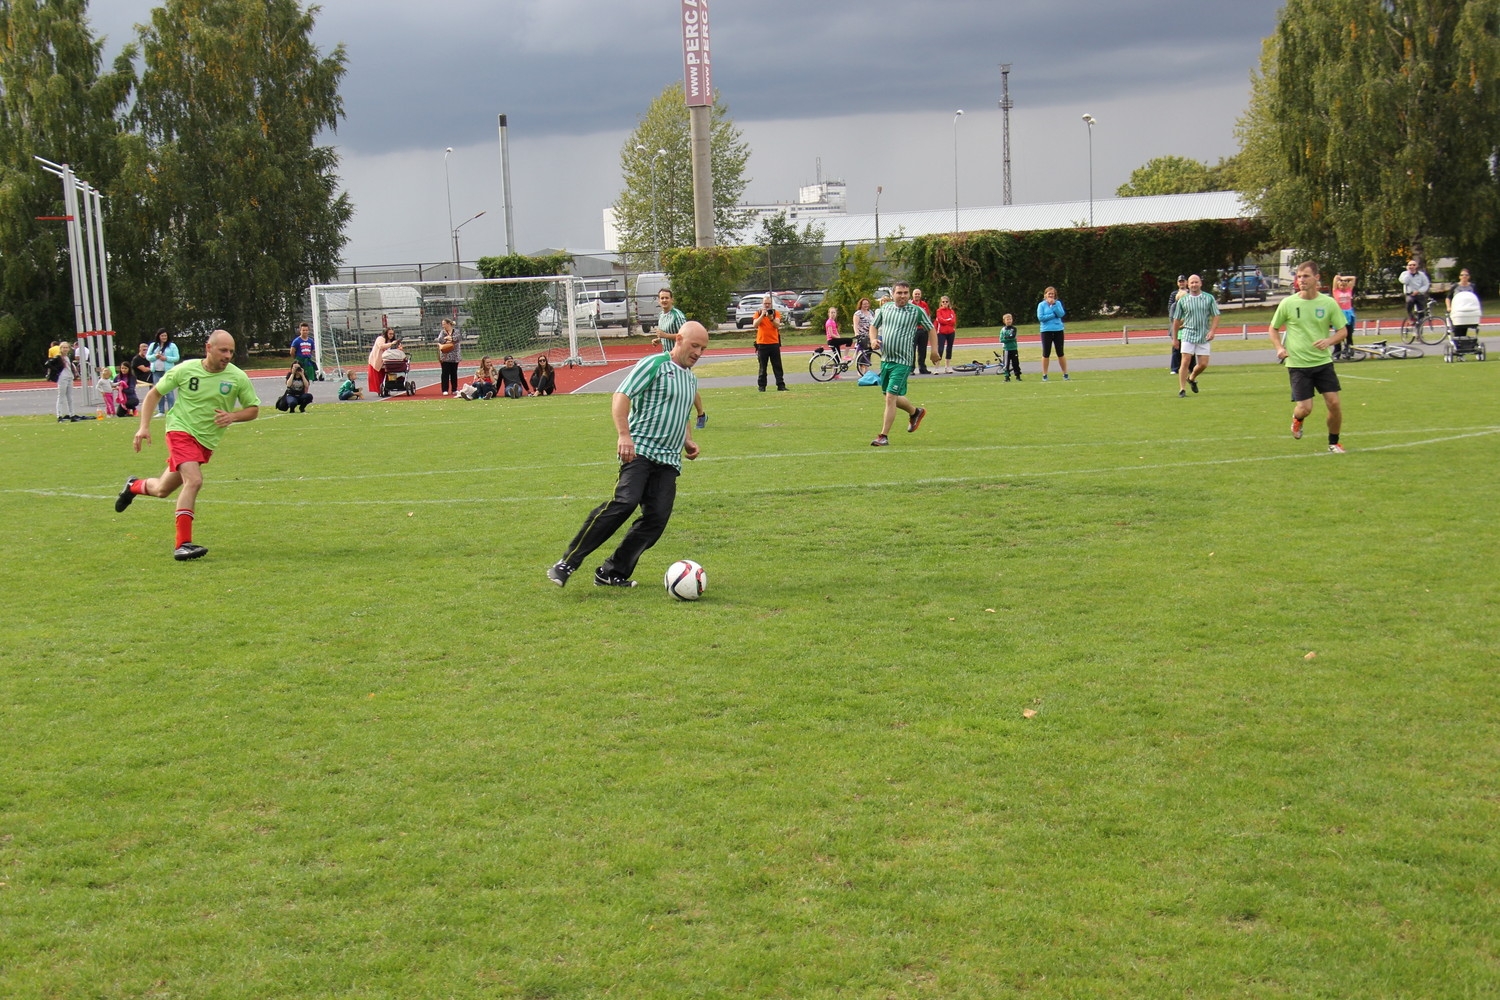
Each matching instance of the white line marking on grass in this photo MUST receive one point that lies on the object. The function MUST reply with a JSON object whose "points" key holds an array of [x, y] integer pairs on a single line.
{"points": [[828, 487], [1365, 378]]}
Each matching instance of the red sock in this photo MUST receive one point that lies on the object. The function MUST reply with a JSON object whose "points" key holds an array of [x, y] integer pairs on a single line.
{"points": [[138, 487], [184, 527]]}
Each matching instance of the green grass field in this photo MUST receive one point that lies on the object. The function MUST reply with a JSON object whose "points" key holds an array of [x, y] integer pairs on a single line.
{"points": [[1080, 691]]}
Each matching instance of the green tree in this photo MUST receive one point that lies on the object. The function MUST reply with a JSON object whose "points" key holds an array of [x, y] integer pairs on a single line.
{"points": [[664, 126], [787, 258], [856, 278], [1177, 175], [54, 103], [236, 200], [1374, 124], [703, 279]]}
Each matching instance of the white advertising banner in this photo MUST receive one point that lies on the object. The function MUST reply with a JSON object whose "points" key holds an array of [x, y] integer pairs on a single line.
{"points": [[697, 75]]}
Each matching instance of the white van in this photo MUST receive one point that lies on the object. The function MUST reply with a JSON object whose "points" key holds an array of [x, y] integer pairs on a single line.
{"points": [[608, 307], [646, 307]]}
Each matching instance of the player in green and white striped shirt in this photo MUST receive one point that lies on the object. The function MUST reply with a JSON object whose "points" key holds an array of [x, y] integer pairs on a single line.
{"points": [[650, 411], [668, 324], [895, 333], [1195, 315]]}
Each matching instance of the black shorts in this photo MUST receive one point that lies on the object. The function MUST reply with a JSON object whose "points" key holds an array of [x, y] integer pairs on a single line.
{"points": [[1050, 340], [1305, 380]]}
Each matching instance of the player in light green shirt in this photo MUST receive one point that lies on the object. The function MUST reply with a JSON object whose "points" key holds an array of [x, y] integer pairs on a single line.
{"points": [[1312, 323], [211, 395], [668, 324], [1195, 315]]}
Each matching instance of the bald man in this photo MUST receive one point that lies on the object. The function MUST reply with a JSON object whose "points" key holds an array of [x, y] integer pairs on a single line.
{"points": [[650, 411], [212, 393]]}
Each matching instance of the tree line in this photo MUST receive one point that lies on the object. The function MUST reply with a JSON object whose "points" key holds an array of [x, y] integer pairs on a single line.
{"points": [[221, 206]]}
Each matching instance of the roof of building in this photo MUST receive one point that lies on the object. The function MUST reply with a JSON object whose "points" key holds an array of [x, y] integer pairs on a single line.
{"points": [[1052, 215]]}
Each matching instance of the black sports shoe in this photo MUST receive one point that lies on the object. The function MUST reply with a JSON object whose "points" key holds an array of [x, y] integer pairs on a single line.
{"points": [[1193, 384], [1182, 394], [126, 497], [915, 420], [559, 572], [603, 580], [187, 550]]}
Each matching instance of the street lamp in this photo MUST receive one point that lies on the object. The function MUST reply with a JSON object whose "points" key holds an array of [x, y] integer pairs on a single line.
{"points": [[448, 183], [956, 115], [655, 224], [456, 228], [1089, 121], [878, 188]]}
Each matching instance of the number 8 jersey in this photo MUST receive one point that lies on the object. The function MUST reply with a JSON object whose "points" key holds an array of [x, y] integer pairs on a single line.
{"points": [[202, 393]]}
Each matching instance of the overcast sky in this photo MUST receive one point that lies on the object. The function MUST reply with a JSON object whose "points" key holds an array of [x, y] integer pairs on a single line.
{"points": [[865, 85]]}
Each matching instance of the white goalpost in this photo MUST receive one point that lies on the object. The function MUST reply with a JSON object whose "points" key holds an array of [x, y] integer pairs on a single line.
{"points": [[524, 317]]}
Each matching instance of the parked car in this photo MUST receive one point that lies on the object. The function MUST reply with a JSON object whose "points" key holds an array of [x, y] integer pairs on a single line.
{"points": [[805, 304], [604, 308], [744, 313], [1243, 284]]}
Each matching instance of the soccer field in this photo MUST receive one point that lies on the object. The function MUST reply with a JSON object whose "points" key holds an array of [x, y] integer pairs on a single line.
{"points": [[1082, 690]]}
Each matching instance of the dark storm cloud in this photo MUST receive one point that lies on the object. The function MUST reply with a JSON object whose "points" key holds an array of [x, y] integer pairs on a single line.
{"points": [[437, 76]]}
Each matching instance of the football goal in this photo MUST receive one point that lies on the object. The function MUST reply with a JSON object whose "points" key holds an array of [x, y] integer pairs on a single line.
{"points": [[494, 316]]}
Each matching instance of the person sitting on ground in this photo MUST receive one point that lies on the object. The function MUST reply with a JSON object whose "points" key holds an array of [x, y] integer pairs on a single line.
{"points": [[543, 378], [296, 396], [483, 385], [348, 390], [512, 379]]}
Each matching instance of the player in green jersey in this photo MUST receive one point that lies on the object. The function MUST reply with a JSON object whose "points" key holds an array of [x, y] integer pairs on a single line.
{"points": [[206, 391], [668, 325], [1312, 323]]}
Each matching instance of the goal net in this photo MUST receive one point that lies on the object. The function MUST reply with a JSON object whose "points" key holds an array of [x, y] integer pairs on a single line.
{"points": [[524, 317]]}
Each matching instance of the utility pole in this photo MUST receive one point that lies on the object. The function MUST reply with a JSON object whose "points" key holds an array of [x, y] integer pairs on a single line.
{"points": [[1005, 105], [510, 229]]}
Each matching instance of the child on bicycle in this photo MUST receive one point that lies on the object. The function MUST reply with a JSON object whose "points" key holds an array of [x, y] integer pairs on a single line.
{"points": [[1008, 345]]}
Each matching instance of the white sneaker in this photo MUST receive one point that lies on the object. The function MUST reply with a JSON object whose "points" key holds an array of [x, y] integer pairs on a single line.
{"points": [[445, 392]]}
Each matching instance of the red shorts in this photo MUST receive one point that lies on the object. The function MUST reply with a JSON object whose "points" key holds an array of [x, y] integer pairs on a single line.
{"points": [[183, 447]]}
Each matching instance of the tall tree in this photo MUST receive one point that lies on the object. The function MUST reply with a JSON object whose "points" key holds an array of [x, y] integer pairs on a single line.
{"points": [[1177, 175], [665, 180], [53, 103], [1375, 124], [225, 170]]}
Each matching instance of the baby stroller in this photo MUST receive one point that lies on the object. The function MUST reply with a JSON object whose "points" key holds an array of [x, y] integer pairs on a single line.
{"points": [[398, 379]]}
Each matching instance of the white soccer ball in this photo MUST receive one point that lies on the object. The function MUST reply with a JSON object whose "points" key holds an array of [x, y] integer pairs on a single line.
{"points": [[686, 580]]}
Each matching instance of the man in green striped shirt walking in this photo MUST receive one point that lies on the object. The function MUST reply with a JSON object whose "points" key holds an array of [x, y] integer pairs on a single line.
{"points": [[1195, 316], [650, 410], [668, 325], [894, 332]]}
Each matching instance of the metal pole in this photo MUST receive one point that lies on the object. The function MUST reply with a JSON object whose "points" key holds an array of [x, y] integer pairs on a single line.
{"points": [[109, 325], [75, 263], [878, 188], [1089, 121], [1005, 105], [700, 132], [510, 229], [448, 185], [956, 115]]}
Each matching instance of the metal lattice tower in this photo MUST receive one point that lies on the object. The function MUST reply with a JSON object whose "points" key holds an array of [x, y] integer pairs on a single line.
{"points": [[1005, 105]]}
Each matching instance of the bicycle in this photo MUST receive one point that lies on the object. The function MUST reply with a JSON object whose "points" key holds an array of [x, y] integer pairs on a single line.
{"points": [[1423, 327], [977, 367], [825, 365], [1381, 351]]}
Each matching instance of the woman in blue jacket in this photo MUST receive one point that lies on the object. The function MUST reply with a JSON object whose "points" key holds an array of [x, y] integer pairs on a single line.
{"points": [[1050, 313]]}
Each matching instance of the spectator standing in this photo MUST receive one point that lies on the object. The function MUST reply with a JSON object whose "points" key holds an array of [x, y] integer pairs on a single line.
{"points": [[768, 321], [305, 351], [895, 326], [1464, 309], [1011, 349], [946, 322], [543, 378], [163, 356], [377, 357], [1343, 294], [105, 385], [1196, 323], [450, 354], [1050, 314], [863, 317], [1414, 286], [1312, 323], [920, 344], [650, 413], [511, 379], [140, 367], [60, 370], [1177, 293]]}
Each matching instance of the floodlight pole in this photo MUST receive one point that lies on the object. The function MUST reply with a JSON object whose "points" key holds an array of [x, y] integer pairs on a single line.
{"points": [[1089, 121], [956, 115], [448, 183], [510, 229]]}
